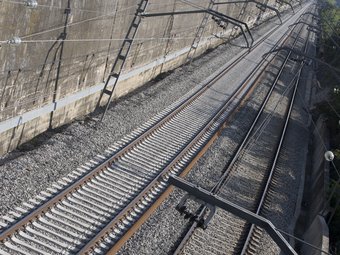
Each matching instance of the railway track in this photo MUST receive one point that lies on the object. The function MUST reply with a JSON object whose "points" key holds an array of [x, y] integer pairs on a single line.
{"points": [[250, 177], [98, 205], [255, 233]]}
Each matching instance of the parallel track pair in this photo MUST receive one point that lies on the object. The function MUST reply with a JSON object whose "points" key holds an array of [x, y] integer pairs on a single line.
{"points": [[99, 205]]}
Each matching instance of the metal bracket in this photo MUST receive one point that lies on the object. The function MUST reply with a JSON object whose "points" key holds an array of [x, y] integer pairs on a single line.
{"points": [[319, 20], [201, 222], [313, 30], [286, 48], [310, 13], [259, 5], [120, 60], [234, 22], [241, 212], [217, 14], [316, 30], [304, 22]]}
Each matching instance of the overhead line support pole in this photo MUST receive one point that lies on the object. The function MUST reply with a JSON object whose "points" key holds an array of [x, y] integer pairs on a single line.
{"points": [[286, 48], [213, 13], [117, 67], [316, 30], [257, 4]]}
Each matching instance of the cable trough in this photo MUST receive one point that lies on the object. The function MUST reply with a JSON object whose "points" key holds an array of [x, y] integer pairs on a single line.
{"points": [[94, 208]]}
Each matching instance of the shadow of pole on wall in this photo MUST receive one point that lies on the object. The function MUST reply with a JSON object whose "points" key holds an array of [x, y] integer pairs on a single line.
{"points": [[61, 38]]}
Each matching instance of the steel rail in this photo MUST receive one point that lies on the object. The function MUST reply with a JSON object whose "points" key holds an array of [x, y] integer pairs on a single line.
{"points": [[220, 183], [114, 249], [161, 176], [277, 154], [167, 171], [83, 180], [41, 209], [194, 225], [226, 171]]}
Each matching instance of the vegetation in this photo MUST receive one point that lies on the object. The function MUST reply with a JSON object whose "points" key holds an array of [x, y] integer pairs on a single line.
{"points": [[330, 52]]}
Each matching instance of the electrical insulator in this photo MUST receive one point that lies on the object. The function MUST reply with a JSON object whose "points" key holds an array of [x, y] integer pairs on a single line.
{"points": [[15, 40], [31, 3], [329, 156]]}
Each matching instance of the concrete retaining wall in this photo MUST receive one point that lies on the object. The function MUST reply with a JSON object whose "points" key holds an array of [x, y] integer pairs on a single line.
{"points": [[46, 82], [318, 236], [319, 174]]}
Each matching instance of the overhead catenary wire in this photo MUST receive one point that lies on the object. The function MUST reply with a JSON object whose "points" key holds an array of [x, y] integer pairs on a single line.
{"points": [[109, 39], [79, 40], [24, 3], [333, 109], [78, 22], [302, 241], [22, 69], [75, 23], [42, 94], [69, 25], [87, 40], [54, 7], [21, 39]]}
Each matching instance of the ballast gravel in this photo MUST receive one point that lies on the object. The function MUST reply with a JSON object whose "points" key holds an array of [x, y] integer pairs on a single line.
{"points": [[36, 165], [165, 228], [162, 231], [284, 206]]}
